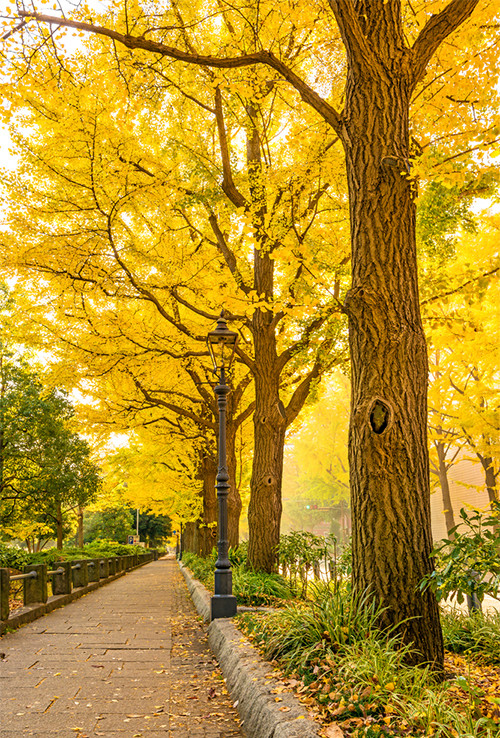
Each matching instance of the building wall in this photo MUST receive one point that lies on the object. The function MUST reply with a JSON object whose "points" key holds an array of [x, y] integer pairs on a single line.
{"points": [[467, 489]]}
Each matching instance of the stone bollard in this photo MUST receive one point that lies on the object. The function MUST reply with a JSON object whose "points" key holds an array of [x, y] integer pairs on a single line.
{"points": [[4, 594], [104, 568], [111, 567], [80, 573], [62, 583], [94, 566], [35, 587]]}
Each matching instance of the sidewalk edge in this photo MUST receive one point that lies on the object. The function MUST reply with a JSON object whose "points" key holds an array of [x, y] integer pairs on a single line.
{"points": [[247, 678]]}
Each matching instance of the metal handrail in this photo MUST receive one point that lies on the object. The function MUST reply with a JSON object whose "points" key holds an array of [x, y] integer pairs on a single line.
{"points": [[29, 575], [56, 571], [76, 566]]}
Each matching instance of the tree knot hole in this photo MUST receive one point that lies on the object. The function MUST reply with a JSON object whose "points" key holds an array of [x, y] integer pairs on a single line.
{"points": [[380, 415]]}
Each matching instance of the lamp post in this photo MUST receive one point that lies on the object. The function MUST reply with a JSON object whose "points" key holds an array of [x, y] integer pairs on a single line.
{"points": [[221, 345]]}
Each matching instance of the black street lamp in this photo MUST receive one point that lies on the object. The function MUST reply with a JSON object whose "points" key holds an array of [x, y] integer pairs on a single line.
{"points": [[221, 345]]}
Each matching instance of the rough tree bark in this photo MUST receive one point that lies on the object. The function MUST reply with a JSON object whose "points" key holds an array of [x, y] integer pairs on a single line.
{"points": [[234, 504], [264, 509], [490, 476], [79, 535], [388, 459]]}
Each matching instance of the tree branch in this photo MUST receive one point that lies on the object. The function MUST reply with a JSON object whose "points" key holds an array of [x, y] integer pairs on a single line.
{"points": [[307, 94], [226, 252], [461, 287], [228, 186], [353, 37], [435, 31]]}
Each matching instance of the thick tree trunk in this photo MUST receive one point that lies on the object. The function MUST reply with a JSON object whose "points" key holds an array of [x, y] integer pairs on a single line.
{"points": [[188, 537], [264, 510], [388, 445], [445, 487], [80, 527], [208, 526], [234, 504]]}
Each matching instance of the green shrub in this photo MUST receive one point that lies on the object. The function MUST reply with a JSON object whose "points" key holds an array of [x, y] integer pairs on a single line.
{"points": [[17, 558], [109, 549], [12, 558], [249, 587], [202, 568], [302, 552], [467, 563]]}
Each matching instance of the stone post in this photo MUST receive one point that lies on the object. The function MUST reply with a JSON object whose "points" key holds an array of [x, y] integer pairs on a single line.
{"points": [[62, 583], [4, 594], [80, 573], [35, 588]]}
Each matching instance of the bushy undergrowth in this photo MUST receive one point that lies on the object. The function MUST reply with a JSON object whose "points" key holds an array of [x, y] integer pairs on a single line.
{"points": [[357, 674], [202, 567], [476, 635], [12, 558], [249, 587], [255, 588]]}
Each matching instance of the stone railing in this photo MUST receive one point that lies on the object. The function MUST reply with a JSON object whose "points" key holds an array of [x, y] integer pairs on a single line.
{"points": [[70, 580]]}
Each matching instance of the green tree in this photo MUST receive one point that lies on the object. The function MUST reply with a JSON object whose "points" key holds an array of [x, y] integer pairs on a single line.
{"points": [[153, 529], [46, 471], [111, 524]]}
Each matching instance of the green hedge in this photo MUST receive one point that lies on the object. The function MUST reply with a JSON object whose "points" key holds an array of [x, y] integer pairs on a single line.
{"points": [[16, 558]]}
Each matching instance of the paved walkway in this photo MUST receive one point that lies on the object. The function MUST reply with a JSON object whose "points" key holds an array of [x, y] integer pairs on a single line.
{"points": [[128, 660]]}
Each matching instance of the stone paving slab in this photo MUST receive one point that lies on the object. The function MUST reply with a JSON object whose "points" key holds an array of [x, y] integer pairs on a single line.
{"points": [[128, 660]]}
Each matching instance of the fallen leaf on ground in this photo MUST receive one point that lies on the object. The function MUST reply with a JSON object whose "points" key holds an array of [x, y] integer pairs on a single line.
{"points": [[333, 731]]}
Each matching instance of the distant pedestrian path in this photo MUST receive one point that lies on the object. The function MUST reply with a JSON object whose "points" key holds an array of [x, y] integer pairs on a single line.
{"points": [[128, 660]]}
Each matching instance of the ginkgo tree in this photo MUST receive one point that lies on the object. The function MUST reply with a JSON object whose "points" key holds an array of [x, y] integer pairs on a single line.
{"points": [[366, 64], [459, 266], [128, 190]]}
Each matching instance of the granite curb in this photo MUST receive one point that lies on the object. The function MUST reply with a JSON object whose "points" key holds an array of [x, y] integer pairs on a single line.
{"points": [[247, 678]]}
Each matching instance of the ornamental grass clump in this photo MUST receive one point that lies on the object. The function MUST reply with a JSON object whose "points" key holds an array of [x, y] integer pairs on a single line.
{"points": [[322, 625], [476, 634], [257, 588]]}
